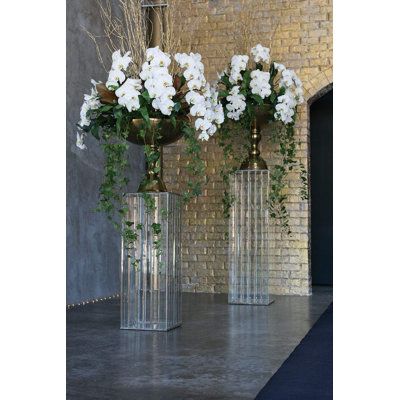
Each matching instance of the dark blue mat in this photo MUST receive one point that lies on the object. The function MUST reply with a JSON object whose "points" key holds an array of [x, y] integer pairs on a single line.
{"points": [[307, 373]]}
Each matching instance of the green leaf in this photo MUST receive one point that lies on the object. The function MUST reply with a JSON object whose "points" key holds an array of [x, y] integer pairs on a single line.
{"points": [[183, 80], [146, 96], [246, 79], [258, 99], [225, 81], [145, 114], [250, 110], [94, 130], [118, 113], [173, 120], [106, 108], [156, 228], [177, 106]]}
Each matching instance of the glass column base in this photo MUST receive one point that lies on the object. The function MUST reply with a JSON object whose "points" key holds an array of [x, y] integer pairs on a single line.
{"points": [[151, 297], [248, 238]]}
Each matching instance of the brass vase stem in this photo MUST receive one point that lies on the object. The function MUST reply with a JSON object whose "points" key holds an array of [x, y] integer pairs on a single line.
{"points": [[160, 132], [254, 161], [153, 181]]}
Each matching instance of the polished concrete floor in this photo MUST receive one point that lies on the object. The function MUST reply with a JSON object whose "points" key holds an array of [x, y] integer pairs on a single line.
{"points": [[221, 351]]}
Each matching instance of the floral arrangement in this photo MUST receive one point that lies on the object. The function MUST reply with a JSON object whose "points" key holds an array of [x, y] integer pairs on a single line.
{"points": [[278, 87], [156, 93], [183, 98], [252, 87]]}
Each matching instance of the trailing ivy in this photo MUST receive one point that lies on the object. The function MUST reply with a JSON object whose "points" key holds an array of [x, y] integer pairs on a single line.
{"points": [[109, 111], [233, 155], [111, 126], [196, 166], [283, 137], [304, 181]]}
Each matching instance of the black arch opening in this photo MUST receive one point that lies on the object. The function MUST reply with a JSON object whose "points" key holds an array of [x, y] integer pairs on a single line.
{"points": [[321, 134]]}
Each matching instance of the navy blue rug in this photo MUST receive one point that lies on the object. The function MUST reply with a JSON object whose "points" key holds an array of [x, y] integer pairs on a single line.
{"points": [[307, 373]]}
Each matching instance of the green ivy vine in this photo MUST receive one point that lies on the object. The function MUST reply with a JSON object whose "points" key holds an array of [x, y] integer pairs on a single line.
{"points": [[111, 125], [283, 137]]}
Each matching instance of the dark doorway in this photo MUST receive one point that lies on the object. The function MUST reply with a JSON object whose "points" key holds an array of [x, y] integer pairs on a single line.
{"points": [[321, 121]]}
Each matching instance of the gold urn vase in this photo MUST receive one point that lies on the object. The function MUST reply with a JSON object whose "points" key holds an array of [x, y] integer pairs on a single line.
{"points": [[254, 161], [161, 132], [158, 133]]}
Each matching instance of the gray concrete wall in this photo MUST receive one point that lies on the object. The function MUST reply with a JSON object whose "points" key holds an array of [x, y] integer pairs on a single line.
{"points": [[93, 247]]}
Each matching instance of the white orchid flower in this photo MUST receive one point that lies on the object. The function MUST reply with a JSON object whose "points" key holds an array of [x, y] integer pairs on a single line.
{"points": [[285, 109], [152, 52], [154, 87], [279, 67], [198, 110], [146, 71], [211, 130], [195, 84], [169, 92], [114, 77], [130, 101], [116, 55], [192, 73], [92, 99], [236, 103], [184, 60], [164, 104], [80, 136], [202, 124], [157, 57], [161, 60], [259, 83], [194, 97], [129, 86], [219, 115], [204, 136], [260, 53], [287, 79], [196, 57], [121, 62], [83, 114]]}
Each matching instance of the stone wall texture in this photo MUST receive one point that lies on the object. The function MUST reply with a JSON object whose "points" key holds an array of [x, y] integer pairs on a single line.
{"points": [[299, 33], [93, 246]]}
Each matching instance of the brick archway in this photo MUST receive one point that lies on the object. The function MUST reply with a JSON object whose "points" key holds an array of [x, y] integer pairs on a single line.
{"points": [[318, 85], [303, 42]]}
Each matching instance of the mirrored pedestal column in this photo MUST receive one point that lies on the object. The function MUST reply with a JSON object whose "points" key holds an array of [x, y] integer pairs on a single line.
{"points": [[248, 238], [151, 297]]}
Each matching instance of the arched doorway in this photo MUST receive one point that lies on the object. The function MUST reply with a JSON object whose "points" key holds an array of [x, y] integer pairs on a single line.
{"points": [[321, 132]]}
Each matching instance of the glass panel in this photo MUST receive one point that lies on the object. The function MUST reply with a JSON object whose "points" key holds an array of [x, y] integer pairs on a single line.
{"points": [[151, 297], [248, 238]]}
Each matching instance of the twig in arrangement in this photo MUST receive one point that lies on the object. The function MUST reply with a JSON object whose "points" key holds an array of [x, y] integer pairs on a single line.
{"points": [[129, 32], [245, 23], [272, 38], [125, 33], [98, 51]]}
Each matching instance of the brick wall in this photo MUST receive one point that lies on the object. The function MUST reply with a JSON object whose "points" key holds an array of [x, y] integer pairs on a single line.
{"points": [[301, 32]]}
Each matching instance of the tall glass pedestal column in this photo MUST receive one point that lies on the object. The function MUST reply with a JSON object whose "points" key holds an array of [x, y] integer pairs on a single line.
{"points": [[248, 238], [151, 297]]}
